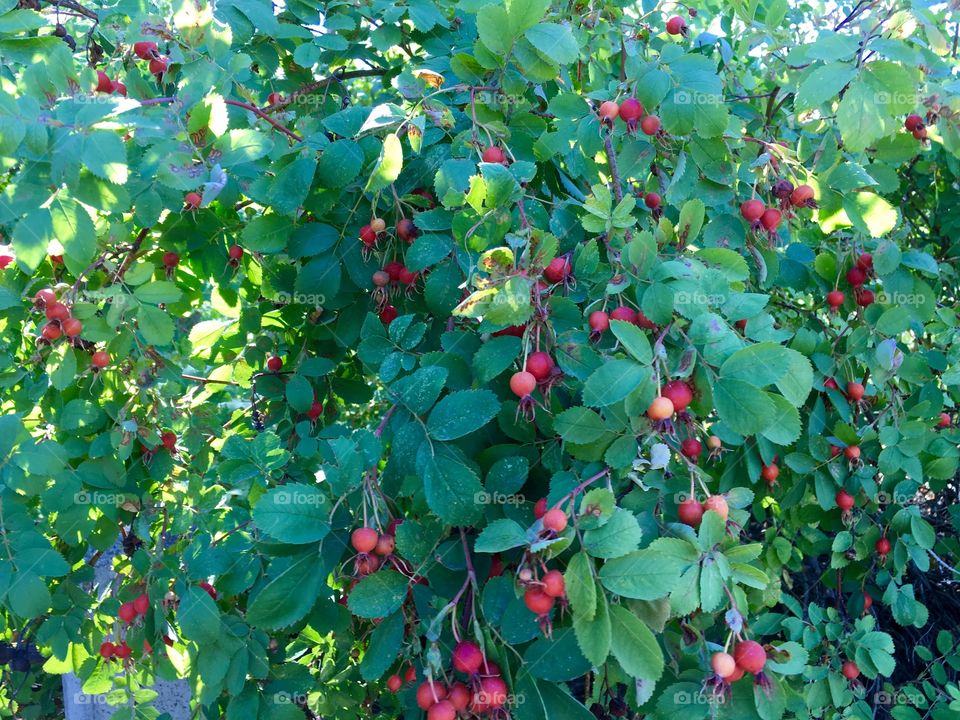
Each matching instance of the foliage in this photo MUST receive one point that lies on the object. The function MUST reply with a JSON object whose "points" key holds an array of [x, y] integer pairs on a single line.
{"points": [[260, 369]]}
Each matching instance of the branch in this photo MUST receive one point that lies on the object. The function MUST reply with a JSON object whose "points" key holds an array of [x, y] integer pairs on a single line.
{"points": [[261, 114], [128, 260], [76, 7], [337, 77]]}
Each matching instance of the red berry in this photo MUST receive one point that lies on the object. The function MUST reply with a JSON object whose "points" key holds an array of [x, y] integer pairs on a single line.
{"points": [[865, 298], [913, 122], [691, 448], [770, 219], [650, 125], [169, 440], [537, 601], [737, 674], [944, 420], [608, 111], [119, 88], [45, 297], [752, 210], [652, 200], [411, 674], [104, 83], [835, 298], [192, 200], [274, 363], [540, 508], [367, 236], [831, 384], [599, 321], [72, 327], [557, 270], [429, 693], [851, 452], [624, 313], [631, 110], [539, 364], [690, 512], [406, 230], [845, 501], [717, 503], [555, 519], [394, 683], [865, 262], [443, 710], [660, 409], [235, 252], [107, 650], [51, 331], [366, 564], [920, 134], [856, 276], [57, 311], [315, 411], [770, 472], [381, 278], [750, 656], [802, 195], [676, 25], [882, 546], [145, 49], [850, 670], [123, 650], [273, 98], [867, 601], [855, 391], [493, 154], [141, 604], [467, 657], [492, 694], [522, 383], [553, 583], [158, 66], [171, 259], [459, 696], [723, 664], [127, 612], [679, 393], [100, 359], [407, 277], [364, 539], [388, 314]]}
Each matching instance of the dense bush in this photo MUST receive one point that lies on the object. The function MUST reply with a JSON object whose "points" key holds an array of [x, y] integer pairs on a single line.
{"points": [[592, 359]]}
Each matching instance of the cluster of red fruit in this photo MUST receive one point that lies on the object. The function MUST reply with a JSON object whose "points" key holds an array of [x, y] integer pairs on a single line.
{"points": [[599, 320], [915, 125], [540, 595], [674, 397], [485, 693], [372, 232], [690, 511], [761, 217], [856, 277], [393, 273], [60, 323], [128, 613], [107, 86], [631, 112], [748, 657], [371, 546], [147, 50]]}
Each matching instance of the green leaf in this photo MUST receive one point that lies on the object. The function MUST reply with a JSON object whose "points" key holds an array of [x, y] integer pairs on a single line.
{"points": [[501, 535], [557, 659], [859, 118], [620, 535], [155, 325], [871, 213], [823, 83], [105, 155], [580, 586], [199, 617], [385, 643], [290, 591], [746, 409], [594, 633], [157, 292], [634, 646], [555, 42], [633, 339], [613, 381], [495, 356], [461, 413], [579, 425], [453, 489], [294, 513], [388, 165], [242, 145], [378, 594], [645, 574]]}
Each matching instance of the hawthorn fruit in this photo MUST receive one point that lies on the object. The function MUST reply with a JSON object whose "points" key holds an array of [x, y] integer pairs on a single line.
{"points": [[378, 225], [192, 200], [835, 299], [750, 656], [493, 154], [368, 236], [104, 83], [537, 601], [802, 196], [522, 383], [850, 670], [443, 710], [679, 393], [752, 210], [171, 259], [723, 664], [851, 452], [274, 363], [882, 546], [364, 539], [540, 365], [913, 123], [406, 230], [429, 693], [51, 331], [770, 472], [235, 252], [856, 277], [660, 409], [630, 112], [107, 650], [123, 651], [676, 25], [386, 544], [845, 501], [141, 604], [652, 200], [72, 327], [459, 696], [553, 583], [691, 448], [100, 360], [555, 520], [558, 270], [624, 313], [690, 512], [388, 314], [540, 508], [771, 219], [599, 321], [855, 391], [717, 503], [467, 657], [608, 112], [394, 683], [127, 612], [145, 50], [650, 125]]}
